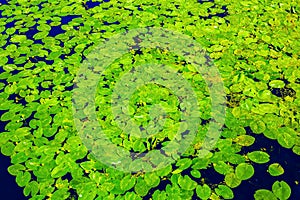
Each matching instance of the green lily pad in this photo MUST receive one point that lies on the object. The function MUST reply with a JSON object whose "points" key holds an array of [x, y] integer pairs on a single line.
{"points": [[232, 180], [257, 126], [244, 140], [186, 183], [222, 168], [23, 178], [244, 171], [264, 194], [203, 192], [275, 169], [141, 187], [259, 157], [224, 192], [277, 84], [8, 149], [127, 182], [152, 179], [281, 190]]}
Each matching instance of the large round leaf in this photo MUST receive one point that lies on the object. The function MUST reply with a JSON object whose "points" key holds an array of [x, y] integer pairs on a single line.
{"points": [[275, 169], [186, 183], [224, 191], [232, 180], [244, 171], [281, 190], [264, 194], [203, 192]]}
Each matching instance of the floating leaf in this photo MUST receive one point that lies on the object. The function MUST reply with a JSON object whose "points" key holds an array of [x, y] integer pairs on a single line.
{"points": [[275, 169], [186, 183], [222, 167], [232, 180], [8, 149], [224, 191], [23, 179], [277, 84], [14, 169], [257, 126], [59, 171], [127, 182], [259, 157], [141, 187], [244, 171], [196, 173], [244, 140], [286, 140], [152, 179], [281, 190], [203, 192], [264, 194]]}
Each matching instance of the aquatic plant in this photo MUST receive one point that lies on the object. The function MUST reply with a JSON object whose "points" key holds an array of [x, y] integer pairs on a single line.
{"points": [[253, 44]]}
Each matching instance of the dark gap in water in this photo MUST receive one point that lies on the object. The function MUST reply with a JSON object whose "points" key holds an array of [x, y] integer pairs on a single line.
{"points": [[204, 1], [10, 24], [67, 19], [255, 79], [73, 194], [31, 32], [82, 160], [211, 176], [139, 8], [3, 124], [110, 23], [55, 30], [8, 186], [66, 70], [40, 5], [3, 2], [37, 59], [28, 119], [38, 42], [283, 92], [91, 4], [14, 72], [69, 88], [68, 177], [10, 61], [1, 70], [204, 122], [20, 100], [162, 186]]}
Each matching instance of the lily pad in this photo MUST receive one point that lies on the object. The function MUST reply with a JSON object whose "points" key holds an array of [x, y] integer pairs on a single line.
{"points": [[244, 171], [244, 140], [224, 192], [275, 169], [281, 190], [203, 192], [232, 180], [264, 194], [259, 157], [186, 183]]}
